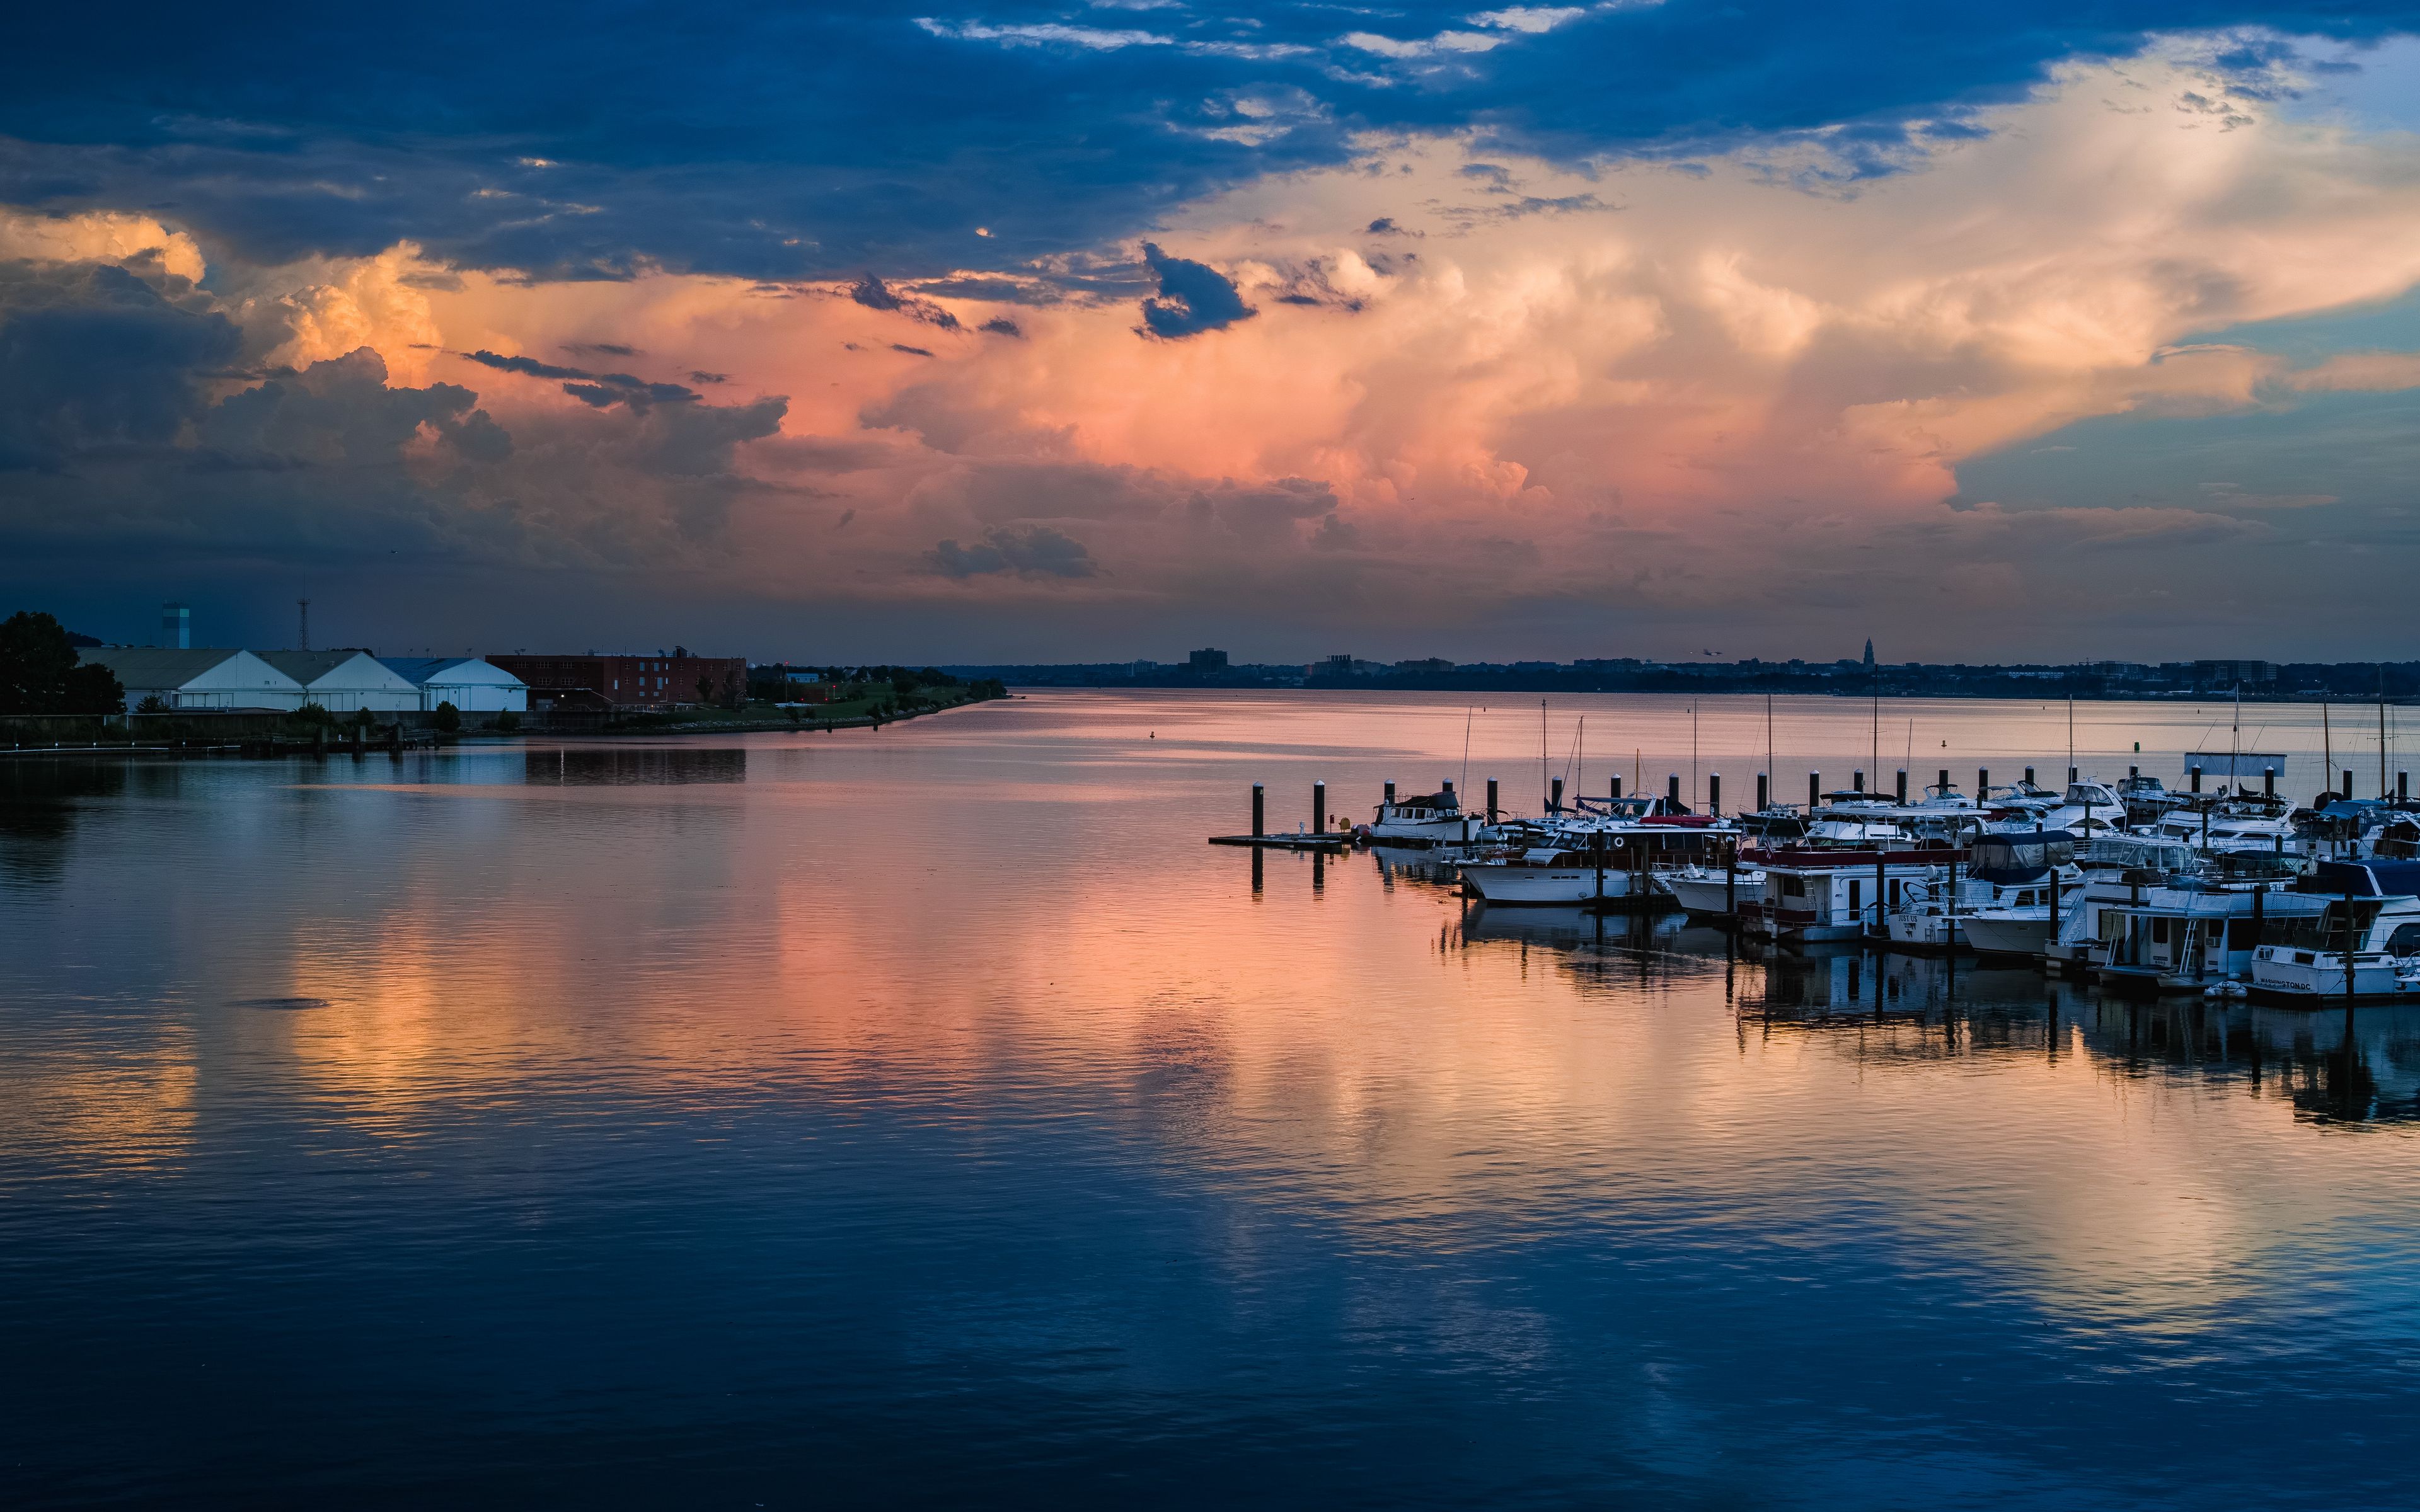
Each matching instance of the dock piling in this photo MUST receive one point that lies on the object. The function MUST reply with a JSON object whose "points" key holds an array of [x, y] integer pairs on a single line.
{"points": [[2193, 775], [1902, 786], [1814, 791], [1319, 808], [1390, 793], [1491, 800], [1763, 791], [1982, 782], [1258, 826], [1555, 795], [1714, 794], [1857, 780], [1617, 786], [2347, 789], [2268, 781], [1672, 790], [2029, 776]]}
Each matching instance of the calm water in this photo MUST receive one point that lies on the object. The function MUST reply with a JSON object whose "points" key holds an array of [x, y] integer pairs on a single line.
{"points": [[930, 1116]]}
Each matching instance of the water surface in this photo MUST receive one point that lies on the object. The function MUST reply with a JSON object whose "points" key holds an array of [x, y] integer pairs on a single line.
{"points": [[929, 1117]]}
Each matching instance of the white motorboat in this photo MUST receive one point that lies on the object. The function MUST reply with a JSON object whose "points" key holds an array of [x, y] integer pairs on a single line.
{"points": [[1555, 875], [2194, 931], [2015, 872], [1437, 819], [2371, 905], [1713, 892]]}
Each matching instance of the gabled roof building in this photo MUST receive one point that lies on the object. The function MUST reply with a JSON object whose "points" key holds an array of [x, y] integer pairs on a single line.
{"points": [[341, 682], [471, 684], [198, 679]]}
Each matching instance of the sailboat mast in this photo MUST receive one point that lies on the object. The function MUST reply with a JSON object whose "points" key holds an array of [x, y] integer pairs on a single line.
{"points": [[1771, 777], [2327, 748], [2381, 732]]}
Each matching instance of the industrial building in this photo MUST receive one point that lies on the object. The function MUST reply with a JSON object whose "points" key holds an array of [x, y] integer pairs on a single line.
{"points": [[657, 681]]}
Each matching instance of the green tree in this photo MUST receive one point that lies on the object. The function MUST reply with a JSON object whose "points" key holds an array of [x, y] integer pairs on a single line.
{"points": [[509, 721], [39, 673], [313, 712], [449, 718]]}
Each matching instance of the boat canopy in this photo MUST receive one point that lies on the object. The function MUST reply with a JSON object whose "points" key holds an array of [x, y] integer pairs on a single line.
{"points": [[2021, 857], [2366, 879]]}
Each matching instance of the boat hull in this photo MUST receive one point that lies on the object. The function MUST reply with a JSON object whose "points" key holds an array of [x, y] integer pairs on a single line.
{"points": [[1927, 934], [2009, 932], [2305, 979], [1518, 884], [1710, 895]]}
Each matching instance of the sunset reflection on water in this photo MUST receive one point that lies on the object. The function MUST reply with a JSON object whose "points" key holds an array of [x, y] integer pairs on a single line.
{"points": [[682, 1115]]}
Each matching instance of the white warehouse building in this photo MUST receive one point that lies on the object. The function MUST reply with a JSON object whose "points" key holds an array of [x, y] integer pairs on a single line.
{"points": [[472, 684], [342, 682], [198, 679]]}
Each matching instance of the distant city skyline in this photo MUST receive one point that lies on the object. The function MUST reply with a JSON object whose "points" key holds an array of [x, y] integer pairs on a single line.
{"points": [[1061, 334]]}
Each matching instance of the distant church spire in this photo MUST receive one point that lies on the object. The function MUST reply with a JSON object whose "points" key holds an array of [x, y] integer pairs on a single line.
{"points": [[1870, 652]]}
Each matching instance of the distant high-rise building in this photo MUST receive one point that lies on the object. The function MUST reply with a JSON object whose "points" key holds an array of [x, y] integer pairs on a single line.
{"points": [[177, 626], [1869, 652], [1208, 659]]}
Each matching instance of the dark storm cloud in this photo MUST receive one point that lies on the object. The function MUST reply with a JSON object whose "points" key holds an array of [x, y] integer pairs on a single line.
{"points": [[1029, 551], [1193, 298], [790, 143], [873, 294], [93, 356]]}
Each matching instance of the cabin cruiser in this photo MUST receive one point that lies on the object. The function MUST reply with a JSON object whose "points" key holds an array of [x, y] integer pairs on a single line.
{"points": [[2116, 867], [1438, 819], [2147, 799], [2303, 962], [2190, 932], [1812, 894], [2227, 825], [1592, 858], [1709, 891], [2087, 810], [2011, 888]]}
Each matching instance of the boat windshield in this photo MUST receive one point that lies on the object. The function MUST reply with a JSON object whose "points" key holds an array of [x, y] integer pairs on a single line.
{"points": [[2326, 931]]}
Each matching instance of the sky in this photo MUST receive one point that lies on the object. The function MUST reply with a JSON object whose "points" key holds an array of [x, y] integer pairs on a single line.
{"points": [[994, 332]]}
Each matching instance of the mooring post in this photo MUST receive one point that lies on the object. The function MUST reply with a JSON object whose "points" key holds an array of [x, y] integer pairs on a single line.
{"points": [[1982, 782], [1554, 797], [1763, 791], [1902, 789], [2029, 776], [2193, 775], [1814, 791], [1319, 808], [1714, 794], [2268, 781], [1390, 794], [1672, 790], [1857, 780], [1944, 781], [1491, 800], [2347, 789], [1258, 828]]}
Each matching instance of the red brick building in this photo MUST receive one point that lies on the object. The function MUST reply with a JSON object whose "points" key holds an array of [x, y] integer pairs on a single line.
{"points": [[656, 682]]}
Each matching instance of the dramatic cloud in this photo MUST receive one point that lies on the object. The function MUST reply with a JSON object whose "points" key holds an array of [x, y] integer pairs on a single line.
{"points": [[1527, 331]]}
